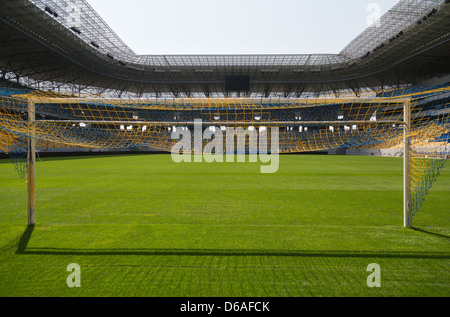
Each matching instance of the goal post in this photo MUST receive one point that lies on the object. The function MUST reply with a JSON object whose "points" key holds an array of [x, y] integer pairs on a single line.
{"points": [[34, 133], [31, 164], [407, 165]]}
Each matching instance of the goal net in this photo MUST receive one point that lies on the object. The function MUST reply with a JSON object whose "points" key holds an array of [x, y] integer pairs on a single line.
{"points": [[367, 120]]}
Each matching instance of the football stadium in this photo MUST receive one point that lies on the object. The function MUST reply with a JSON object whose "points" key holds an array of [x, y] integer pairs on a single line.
{"points": [[302, 175]]}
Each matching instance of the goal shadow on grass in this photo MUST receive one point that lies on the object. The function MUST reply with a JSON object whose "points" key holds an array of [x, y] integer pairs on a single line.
{"points": [[23, 249], [24, 239], [440, 235]]}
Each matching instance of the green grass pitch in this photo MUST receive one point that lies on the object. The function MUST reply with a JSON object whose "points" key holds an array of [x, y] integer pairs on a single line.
{"points": [[141, 225]]}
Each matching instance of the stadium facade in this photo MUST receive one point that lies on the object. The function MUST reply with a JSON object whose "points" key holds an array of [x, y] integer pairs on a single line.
{"points": [[63, 45]]}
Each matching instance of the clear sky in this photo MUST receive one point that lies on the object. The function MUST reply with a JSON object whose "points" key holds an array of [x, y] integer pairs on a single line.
{"points": [[238, 26]]}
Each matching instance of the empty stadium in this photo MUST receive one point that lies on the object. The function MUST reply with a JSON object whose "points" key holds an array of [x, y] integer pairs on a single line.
{"points": [[90, 134]]}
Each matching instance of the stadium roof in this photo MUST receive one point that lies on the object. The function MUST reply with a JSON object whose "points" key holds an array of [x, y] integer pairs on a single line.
{"points": [[49, 44]]}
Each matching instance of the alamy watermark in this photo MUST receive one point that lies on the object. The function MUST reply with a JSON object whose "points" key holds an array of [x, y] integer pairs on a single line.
{"points": [[374, 278], [74, 278], [235, 149], [73, 18], [374, 17]]}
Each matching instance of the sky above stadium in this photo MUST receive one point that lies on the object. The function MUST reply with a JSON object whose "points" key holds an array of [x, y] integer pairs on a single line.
{"points": [[239, 26]]}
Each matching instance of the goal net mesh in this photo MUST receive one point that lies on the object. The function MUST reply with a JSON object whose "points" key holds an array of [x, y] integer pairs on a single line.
{"points": [[368, 120]]}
